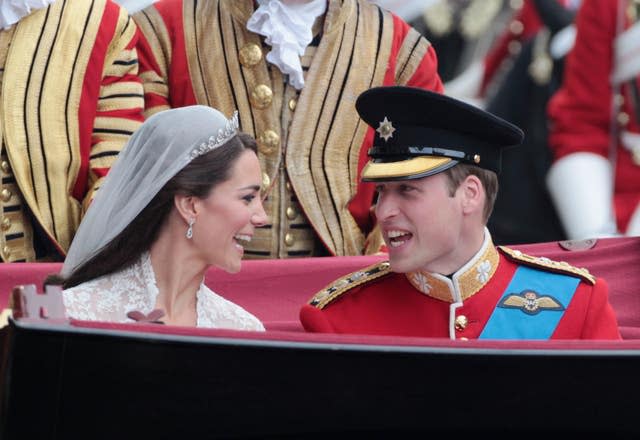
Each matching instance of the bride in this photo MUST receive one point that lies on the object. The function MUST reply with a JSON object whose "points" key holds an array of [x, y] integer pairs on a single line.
{"points": [[183, 195]]}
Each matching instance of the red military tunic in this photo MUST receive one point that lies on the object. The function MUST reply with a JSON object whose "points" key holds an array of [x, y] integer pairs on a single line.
{"points": [[381, 302], [523, 25], [581, 111]]}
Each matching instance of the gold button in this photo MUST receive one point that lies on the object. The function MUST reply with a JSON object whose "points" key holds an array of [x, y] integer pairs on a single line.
{"points": [[250, 55], [5, 194], [288, 185], [618, 99], [288, 239], [268, 142], [6, 223], [291, 213], [623, 118], [476, 158], [292, 104], [5, 166], [516, 27], [514, 47], [6, 251], [461, 322], [266, 181], [261, 96]]}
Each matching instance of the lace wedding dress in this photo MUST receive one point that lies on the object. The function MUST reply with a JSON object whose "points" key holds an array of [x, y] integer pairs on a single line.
{"points": [[110, 297]]}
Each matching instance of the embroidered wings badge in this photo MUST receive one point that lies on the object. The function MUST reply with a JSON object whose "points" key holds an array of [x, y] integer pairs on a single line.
{"points": [[530, 302]]}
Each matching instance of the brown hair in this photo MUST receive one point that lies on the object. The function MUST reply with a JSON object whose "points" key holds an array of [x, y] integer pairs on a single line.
{"points": [[456, 174], [197, 179]]}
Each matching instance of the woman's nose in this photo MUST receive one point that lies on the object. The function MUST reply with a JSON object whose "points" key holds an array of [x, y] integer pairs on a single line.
{"points": [[259, 217]]}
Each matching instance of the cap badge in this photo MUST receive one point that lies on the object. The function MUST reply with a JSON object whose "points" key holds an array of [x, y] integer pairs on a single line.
{"points": [[385, 129]]}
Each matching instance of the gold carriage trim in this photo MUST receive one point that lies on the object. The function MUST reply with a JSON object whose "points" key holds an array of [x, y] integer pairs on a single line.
{"points": [[545, 263], [348, 282]]}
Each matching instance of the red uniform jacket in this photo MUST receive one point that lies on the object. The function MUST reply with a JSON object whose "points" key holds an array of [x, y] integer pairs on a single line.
{"points": [[378, 301]]}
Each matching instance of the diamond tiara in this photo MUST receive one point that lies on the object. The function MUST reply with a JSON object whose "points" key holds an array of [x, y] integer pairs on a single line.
{"points": [[224, 134]]}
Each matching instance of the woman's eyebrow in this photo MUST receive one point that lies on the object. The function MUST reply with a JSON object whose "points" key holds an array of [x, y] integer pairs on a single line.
{"points": [[253, 187]]}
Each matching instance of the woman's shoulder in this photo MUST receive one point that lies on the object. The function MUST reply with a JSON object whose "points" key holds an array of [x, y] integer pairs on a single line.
{"points": [[107, 298], [218, 312], [85, 300]]}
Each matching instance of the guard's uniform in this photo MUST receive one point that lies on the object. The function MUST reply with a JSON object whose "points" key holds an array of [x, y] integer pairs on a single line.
{"points": [[500, 294], [459, 31], [70, 99], [523, 25], [581, 112], [312, 145], [520, 90]]}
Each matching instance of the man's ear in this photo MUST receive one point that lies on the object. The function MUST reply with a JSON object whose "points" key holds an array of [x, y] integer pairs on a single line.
{"points": [[186, 206], [473, 194]]}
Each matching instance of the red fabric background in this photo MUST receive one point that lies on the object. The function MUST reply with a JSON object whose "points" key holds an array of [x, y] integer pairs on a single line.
{"points": [[274, 290]]}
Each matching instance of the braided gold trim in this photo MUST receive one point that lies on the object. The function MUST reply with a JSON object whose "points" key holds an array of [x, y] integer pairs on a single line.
{"points": [[545, 263], [348, 282]]}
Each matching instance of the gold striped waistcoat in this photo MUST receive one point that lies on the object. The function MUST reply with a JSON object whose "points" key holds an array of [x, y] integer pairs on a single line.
{"points": [[45, 57]]}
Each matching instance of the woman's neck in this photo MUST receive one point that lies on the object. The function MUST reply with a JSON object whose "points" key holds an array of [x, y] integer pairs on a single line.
{"points": [[178, 278]]}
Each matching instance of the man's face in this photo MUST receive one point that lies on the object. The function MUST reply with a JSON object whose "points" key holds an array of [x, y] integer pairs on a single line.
{"points": [[421, 224]]}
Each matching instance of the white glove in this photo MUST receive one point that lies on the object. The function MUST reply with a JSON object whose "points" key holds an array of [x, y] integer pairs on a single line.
{"points": [[562, 42], [581, 187]]}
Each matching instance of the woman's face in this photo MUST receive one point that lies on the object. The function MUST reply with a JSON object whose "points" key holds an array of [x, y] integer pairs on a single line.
{"points": [[228, 217]]}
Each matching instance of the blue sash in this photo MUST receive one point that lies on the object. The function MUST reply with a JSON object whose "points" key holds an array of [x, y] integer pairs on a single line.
{"points": [[516, 323]]}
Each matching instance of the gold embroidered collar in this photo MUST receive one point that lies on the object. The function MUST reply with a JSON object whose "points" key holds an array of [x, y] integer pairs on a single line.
{"points": [[465, 282]]}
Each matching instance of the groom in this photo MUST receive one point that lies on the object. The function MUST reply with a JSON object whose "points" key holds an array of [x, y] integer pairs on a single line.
{"points": [[435, 162]]}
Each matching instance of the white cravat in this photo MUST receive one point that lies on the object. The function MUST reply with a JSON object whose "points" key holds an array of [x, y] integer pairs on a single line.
{"points": [[287, 24], [12, 11], [135, 5]]}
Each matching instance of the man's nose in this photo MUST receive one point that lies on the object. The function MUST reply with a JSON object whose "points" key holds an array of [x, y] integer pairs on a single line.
{"points": [[385, 208]]}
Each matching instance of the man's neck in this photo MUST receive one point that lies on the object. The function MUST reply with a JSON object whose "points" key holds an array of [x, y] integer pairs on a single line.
{"points": [[471, 246]]}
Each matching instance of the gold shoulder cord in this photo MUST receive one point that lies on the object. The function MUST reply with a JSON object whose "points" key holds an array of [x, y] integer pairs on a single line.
{"points": [[546, 263], [348, 282]]}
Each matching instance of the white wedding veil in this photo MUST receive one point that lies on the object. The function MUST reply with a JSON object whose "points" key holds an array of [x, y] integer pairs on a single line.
{"points": [[162, 146]]}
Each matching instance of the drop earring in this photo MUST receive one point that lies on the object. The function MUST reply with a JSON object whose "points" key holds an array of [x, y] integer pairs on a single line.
{"points": [[189, 233]]}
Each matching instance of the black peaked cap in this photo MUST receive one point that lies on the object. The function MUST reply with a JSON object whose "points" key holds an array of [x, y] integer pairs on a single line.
{"points": [[420, 133]]}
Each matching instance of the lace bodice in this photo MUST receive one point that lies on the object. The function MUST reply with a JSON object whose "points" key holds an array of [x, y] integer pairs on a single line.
{"points": [[110, 297]]}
